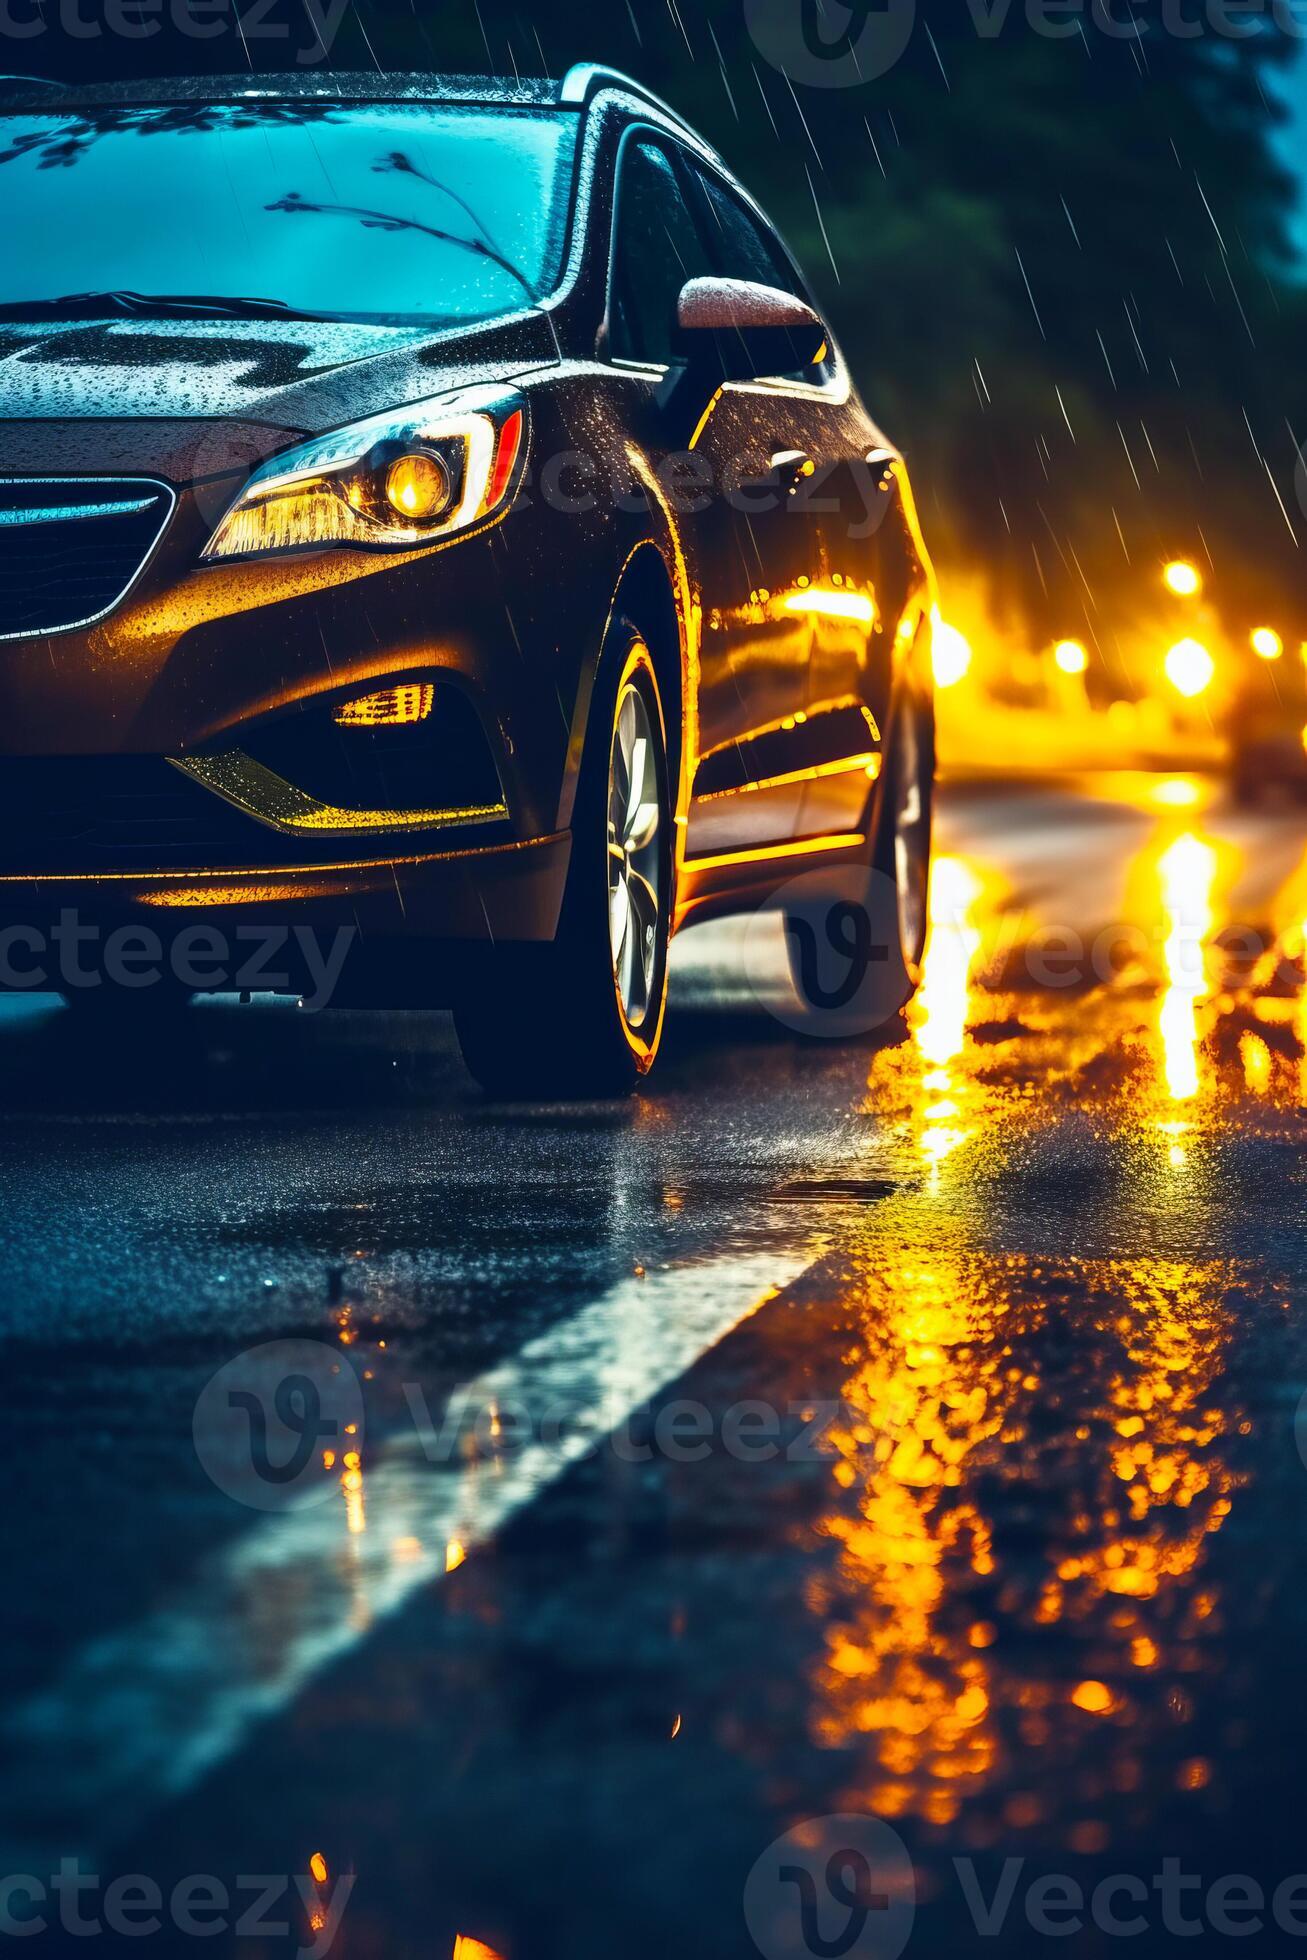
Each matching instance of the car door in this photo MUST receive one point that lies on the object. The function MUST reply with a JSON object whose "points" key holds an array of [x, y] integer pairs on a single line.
{"points": [[814, 634], [754, 441], [718, 457], [658, 245]]}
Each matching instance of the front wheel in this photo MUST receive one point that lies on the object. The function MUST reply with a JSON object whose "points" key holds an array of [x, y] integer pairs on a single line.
{"points": [[583, 1016]]}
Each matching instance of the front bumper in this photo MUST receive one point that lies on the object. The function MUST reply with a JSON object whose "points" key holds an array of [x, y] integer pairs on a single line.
{"points": [[411, 928], [166, 763]]}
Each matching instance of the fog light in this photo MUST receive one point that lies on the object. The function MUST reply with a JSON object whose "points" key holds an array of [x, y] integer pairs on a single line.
{"points": [[419, 487], [393, 707]]}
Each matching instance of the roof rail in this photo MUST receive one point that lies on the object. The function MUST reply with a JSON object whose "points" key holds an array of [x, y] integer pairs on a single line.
{"points": [[586, 78], [30, 81]]}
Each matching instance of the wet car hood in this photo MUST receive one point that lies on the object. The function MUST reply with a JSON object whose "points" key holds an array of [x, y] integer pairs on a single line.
{"points": [[300, 374]]}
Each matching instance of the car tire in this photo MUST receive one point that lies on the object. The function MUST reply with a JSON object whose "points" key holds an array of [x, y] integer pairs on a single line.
{"points": [[582, 1016], [896, 866], [903, 832]]}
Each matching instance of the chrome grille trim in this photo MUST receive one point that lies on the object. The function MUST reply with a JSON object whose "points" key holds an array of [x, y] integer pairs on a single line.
{"points": [[74, 510]]}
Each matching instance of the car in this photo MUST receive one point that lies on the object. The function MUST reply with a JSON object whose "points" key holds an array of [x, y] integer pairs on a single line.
{"points": [[436, 511], [1267, 729]]}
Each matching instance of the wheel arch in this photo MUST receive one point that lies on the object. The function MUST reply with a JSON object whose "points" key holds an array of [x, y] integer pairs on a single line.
{"points": [[645, 595]]}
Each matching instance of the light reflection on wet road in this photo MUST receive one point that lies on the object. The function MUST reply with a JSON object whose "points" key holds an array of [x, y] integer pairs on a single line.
{"points": [[1040, 1595]]}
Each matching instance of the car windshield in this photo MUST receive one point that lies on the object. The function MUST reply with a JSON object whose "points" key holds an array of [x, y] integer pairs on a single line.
{"points": [[369, 212]]}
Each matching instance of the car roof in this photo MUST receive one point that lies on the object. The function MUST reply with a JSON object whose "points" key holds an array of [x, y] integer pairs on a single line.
{"points": [[576, 89]]}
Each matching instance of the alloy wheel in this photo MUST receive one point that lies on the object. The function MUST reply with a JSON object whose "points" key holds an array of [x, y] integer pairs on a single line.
{"points": [[634, 855]]}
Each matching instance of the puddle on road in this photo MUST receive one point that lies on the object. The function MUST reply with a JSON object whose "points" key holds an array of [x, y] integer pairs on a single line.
{"points": [[1043, 1425]]}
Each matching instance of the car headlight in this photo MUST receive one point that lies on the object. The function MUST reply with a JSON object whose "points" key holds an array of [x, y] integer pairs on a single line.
{"points": [[387, 484]]}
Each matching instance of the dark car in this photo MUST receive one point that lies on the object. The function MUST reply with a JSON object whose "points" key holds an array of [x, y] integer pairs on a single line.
{"points": [[434, 517], [1267, 728]]}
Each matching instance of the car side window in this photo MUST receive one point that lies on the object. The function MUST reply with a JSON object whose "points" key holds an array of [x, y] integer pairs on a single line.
{"points": [[744, 249], [658, 247]]}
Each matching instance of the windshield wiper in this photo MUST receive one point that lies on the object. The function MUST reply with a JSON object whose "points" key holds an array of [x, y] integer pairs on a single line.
{"points": [[189, 306]]}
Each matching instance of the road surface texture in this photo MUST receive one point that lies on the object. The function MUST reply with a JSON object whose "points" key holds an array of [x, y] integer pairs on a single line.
{"points": [[903, 1431]]}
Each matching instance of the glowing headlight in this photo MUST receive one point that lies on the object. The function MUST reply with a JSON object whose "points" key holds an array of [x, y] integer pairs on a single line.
{"points": [[390, 483]]}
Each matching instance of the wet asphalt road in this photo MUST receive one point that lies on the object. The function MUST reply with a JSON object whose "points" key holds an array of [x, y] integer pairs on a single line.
{"points": [[1013, 1557]]}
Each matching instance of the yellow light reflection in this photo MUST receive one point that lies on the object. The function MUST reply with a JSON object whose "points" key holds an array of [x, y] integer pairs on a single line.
{"points": [[941, 1005], [944, 1404], [1266, 643], [1187, 871], [939, 1015], [950, 653], [1179, 793], [1256, 1059], [830, 604], [351, 1484], [1027, 1443]]}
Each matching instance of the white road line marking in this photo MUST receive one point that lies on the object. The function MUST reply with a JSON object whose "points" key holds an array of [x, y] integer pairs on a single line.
{"points": [[141, 1714]]}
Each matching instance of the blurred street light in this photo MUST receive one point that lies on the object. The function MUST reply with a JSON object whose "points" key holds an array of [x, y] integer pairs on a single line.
{"points": [[1190, 668], [1266, 643], [950, 654], [1184, 579], [1070, 656]]}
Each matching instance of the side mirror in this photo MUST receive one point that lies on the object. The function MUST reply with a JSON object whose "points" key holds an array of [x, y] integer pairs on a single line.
{"points": [[733, 330]]}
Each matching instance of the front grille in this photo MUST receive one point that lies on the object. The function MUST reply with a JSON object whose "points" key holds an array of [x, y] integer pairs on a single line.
{"points": [[71, 548]]}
